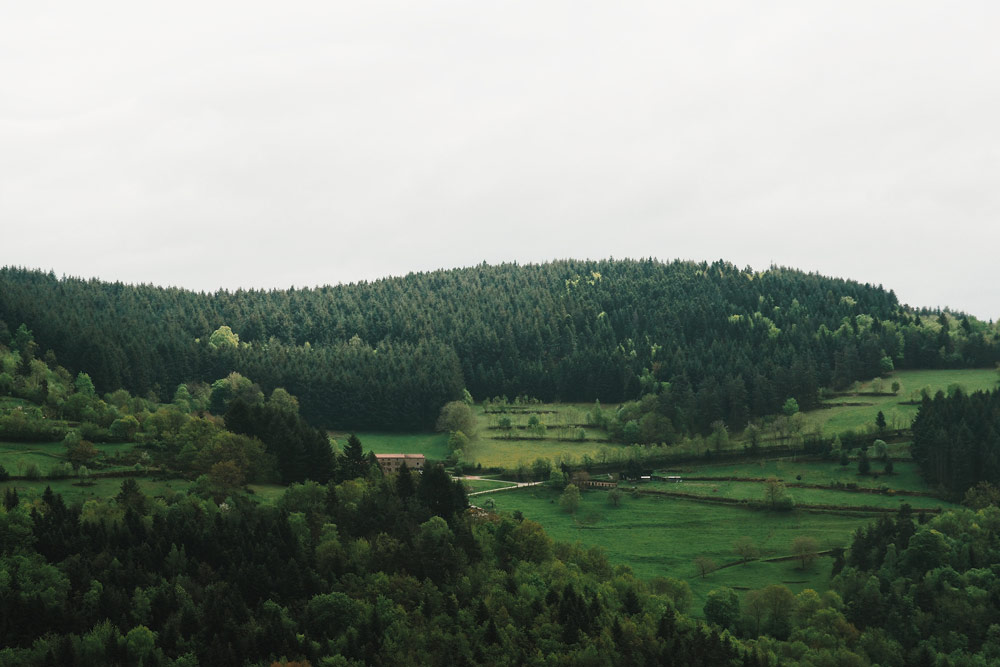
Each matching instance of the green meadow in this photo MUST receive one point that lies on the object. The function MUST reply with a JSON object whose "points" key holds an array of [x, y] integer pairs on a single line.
{"points": [[754, 491], [474, 485], [503, 453], [490, 447], [658, 536], [838, 419], [432, 445], [103, 487], [905, 475]]}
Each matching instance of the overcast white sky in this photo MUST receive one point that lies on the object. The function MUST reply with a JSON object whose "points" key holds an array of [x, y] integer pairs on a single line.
{"points": [[228, 144]]}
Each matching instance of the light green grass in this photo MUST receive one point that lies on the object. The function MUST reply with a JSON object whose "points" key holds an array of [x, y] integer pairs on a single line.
{"points": [[432, 445], [109, 449], [857, 418], [473, 485], [511, 453], [268, 493], [906, 476], [663, 536], [754, 491], [101, 488], [562, 421], [17, 456], [9, 402]]}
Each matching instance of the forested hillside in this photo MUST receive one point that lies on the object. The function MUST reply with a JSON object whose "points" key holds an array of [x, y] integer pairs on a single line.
{"points": [[956, 440], [733, 343]]}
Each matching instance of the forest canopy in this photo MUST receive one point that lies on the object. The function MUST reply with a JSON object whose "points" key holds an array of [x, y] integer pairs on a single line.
{"points": [[735, 342]]}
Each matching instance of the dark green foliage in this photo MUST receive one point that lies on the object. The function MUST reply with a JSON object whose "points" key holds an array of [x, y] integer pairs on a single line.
{"points": [[864, 465], [353, 463], [931, 589], [956, 440], [731, 344], [301, 452], [404, 483], [254, 584]]}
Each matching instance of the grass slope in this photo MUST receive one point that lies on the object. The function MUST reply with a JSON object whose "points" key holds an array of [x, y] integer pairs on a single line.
{"points": [[663, 536], [858, 417]]}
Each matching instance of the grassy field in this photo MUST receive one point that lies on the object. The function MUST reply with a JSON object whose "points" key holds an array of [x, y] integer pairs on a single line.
{"points": [[431, 445], [561, 420], [473, 485], [755, 491], [267, 492], [16, 457], [839, 419], [906, 476], [663, 536], [511, 453], [489, 449], [101, 488]]}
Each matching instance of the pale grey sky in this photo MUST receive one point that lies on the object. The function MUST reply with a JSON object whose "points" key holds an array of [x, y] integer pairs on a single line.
{"points": [[228, 144]]}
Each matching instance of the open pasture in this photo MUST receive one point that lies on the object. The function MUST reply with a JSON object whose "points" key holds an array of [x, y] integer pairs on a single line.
{"points": [[474, 485], [432, 445], [662, 536], [905, 476], [838, 419], [103, 487], [512, 453], [17, 457], [754, 491]]}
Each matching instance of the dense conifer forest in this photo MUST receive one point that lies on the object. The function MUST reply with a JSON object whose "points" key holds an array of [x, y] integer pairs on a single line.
{"points": [[347, 566], [732, 343], [956, 440]]}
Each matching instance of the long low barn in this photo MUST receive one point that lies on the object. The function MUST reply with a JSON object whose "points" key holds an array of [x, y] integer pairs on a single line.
{"points": [[391, 463]]}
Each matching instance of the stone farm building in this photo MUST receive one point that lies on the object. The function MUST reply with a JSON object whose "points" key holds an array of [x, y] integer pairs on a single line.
{"points": [[391, 463]]}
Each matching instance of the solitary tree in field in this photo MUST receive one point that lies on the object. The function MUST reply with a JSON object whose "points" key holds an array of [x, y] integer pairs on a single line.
{"points": [[746, 549], [774, 493], [880, 422], [570, 499], [615, 497], [705, 565], [805, 549], [864, 465], [880, 449]]}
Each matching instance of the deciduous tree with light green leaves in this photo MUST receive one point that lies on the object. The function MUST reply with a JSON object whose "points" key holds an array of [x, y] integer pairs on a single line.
{"points": [[569, 501], [223, 338], [790, 407], [457, 416]]}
